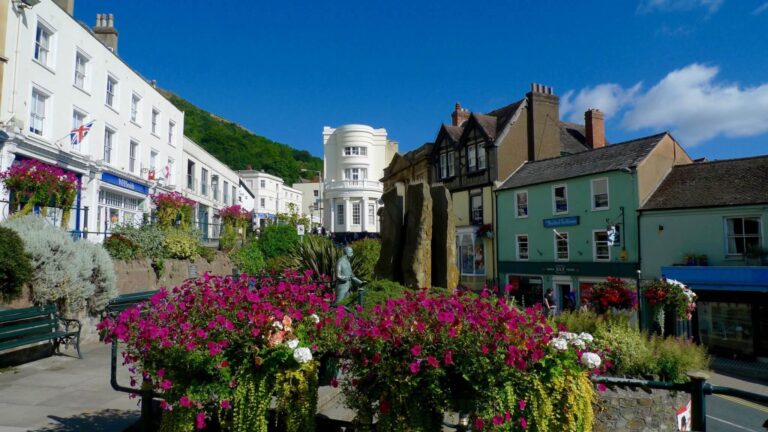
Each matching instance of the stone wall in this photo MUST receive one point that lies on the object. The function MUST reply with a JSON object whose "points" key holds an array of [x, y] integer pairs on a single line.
{"points": [[138, 275], [638, 410]]}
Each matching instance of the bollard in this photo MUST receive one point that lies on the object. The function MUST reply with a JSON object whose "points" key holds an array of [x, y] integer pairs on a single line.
{"points": [[360, 296], [698, 400], [146, 405]]}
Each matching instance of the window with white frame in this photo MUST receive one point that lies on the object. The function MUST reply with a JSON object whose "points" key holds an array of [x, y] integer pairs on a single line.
{"points": [[262, 183], [315, 193], [371, 214], [560, 199], [204, 181], [109, 144], [600, 199], [215, 187], [355, 151], [234, 195], [171, 172], [262, 202], [521, 204], [447, 167], [78, 119], [37, 109], [356, 213], [133, 151], [226, 191], [522, 247], [81, 63], [744, 235], [153, 161], [472, 157], [43, 39], [476, 207], [480, 157], [356, 173], [135, 106], [561, 246], [111, 99], [155, 119], [601, 251], [171, 132], [340, 214], [471, 255]]}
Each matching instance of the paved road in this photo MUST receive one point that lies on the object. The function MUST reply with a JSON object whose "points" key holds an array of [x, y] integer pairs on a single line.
{"points": [[728, 414]]}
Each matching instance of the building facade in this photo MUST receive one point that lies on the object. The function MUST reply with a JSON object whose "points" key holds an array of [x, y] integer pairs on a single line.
{"points": [[354, 158], [271, 196], [706, 226], [311, 199], [569, 222], [56, 76], [210, 183]]}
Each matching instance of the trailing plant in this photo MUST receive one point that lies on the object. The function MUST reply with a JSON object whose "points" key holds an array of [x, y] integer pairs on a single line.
{"points": [[366, 254], [669, 295], [611, 294], [15, 265], [235, 221], [35, 183], [249, 258], [181, 244], [296, 394], [173, 207]]}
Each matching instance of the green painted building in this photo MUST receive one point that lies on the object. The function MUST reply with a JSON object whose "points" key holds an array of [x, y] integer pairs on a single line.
{"points": [[569, 222], [705, 226]]}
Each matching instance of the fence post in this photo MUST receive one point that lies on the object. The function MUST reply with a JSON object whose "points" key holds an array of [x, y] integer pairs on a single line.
{"points": [[698, 400], [146, 405], [360, 296]]}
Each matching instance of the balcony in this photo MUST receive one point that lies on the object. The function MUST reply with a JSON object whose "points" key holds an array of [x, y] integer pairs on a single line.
{"points": [[368, 185]]}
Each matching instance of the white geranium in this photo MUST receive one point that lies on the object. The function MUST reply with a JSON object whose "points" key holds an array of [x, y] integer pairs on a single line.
{"points": [[567, 335], [293, 343], [302, 355], [591, 360], [278, 325], [315, 318], [578, 343], [559, 344], [586, 337]]}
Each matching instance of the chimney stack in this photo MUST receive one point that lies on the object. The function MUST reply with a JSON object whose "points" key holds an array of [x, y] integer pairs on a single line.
{"points": [[543, 122], [67, 5], [594, 128], [105, 31], [459, 116]]}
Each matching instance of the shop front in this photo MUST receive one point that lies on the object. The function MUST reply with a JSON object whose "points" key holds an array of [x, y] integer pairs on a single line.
{"points": [[120, 202], [731, 316]]}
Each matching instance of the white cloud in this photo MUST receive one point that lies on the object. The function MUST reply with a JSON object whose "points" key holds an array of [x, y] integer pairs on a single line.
{"points": [[760, 9], [696, 108], [689, 102], [608, 98], [647, 6]]}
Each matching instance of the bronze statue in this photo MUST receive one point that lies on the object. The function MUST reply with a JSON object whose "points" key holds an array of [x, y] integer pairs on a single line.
{"points": [[345, 278]]}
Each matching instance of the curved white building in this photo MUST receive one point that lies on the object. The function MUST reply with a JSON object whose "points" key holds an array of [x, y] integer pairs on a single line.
{"points": [[354, 158]]}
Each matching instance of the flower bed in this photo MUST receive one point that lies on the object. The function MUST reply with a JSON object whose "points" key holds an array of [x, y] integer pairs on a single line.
{"points": [[218, 349]]}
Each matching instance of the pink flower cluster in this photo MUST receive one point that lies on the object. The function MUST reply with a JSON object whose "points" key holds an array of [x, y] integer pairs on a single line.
{"points": [[171, 199], [234, 213], [28, 176]]}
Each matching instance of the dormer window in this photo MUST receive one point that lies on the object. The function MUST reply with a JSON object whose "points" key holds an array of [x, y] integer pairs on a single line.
{"points": [[476, 160], [447, 164]]}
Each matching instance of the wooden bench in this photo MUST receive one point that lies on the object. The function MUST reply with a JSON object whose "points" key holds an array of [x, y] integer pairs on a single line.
{"points": [[19, 327], [124, 301]]}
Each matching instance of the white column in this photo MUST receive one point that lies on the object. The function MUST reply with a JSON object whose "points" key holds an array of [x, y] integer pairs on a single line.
{"points": [[347, 215], [364, 214], [332, 213]]}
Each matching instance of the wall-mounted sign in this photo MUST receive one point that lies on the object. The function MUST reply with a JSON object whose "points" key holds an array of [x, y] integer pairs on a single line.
{"points": [[123, 183], [561, 222]]}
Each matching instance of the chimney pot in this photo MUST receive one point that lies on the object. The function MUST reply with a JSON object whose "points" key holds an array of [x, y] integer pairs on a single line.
{"points": [[459, 116], [594, 128], [98, 21], [111, 21]]}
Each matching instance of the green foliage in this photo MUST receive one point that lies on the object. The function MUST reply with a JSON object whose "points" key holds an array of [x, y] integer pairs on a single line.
{"points": [[120, 247], [72, 275], [296, 397], [15, 265], [674, 357], [206, 253], [316, 253], [249, 258], [180, 244], [228, 238], [147, 240], [366, 254], [278, 241], [588, 321], [239, 148]]}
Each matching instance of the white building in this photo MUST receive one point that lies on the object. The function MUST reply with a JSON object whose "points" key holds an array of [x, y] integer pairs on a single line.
{"points": [[246, 196], [271, 196], [210, 183], [354, 158], [311, 193], [55, 75]]}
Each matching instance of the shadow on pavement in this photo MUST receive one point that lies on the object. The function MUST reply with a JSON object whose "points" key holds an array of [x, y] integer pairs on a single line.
{"points": [[109, 420]]}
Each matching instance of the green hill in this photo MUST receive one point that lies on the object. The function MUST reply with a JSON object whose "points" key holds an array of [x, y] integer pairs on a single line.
{"points": [[239, 148]]}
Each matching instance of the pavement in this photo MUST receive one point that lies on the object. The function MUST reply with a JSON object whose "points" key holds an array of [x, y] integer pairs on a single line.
{"points": [[63, 393]]}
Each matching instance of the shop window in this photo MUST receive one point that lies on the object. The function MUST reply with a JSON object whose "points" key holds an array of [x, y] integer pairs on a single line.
{"points": [[471, 255], [527, 291]]}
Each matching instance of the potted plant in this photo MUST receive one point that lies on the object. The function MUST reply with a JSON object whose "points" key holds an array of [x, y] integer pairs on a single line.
{"points": [[702, 260], [689, 259]]}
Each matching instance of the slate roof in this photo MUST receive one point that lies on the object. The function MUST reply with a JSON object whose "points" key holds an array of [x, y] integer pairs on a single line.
{"points": [[488, 123], [721, 183], [454, 132], [572, 138], [608, 158], [504, 114]]}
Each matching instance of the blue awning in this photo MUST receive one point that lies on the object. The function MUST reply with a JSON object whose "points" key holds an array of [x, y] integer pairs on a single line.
{"points": [[740, 279]]}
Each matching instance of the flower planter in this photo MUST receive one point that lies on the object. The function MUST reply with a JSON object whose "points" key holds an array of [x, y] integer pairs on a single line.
{"points": [[620, 409]]}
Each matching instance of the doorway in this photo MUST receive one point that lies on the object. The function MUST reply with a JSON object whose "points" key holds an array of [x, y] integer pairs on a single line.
{"points": [[565, 297]]}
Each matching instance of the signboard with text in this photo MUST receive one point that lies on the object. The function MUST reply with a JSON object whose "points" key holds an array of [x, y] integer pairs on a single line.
{"points": [[123, 183], [561, 222]]}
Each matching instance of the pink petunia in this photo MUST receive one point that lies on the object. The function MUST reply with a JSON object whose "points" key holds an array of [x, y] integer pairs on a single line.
{"points": [[498, 420], [433, 362], [416, 350], [185, 402], [601, 388], [415, 367], [521, 404], [166, 384], [225, 404], [200, 420], [479, 424], [523, 423]]}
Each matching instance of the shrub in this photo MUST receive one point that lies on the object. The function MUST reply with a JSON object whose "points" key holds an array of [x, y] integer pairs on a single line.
{"points": [[249, 258], [64, 272], [15, 265], [588, 321], [206, 253], [316, 253], [632, 351], [366, 254], [149, 240], [181, 244], [278, 240], [674, 357], [228, 238], [120, 247]]}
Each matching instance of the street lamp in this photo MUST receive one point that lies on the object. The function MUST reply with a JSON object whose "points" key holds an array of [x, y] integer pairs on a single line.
{"points": [[319, 193]]}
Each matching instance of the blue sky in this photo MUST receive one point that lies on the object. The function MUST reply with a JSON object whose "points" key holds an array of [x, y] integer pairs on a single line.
{"points": [[286, 69]]}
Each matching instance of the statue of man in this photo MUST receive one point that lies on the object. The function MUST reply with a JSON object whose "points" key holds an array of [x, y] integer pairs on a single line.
{"points": [[344, 276]]}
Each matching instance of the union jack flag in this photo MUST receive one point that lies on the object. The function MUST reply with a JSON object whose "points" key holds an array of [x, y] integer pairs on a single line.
{"points": [[78, 134]]}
